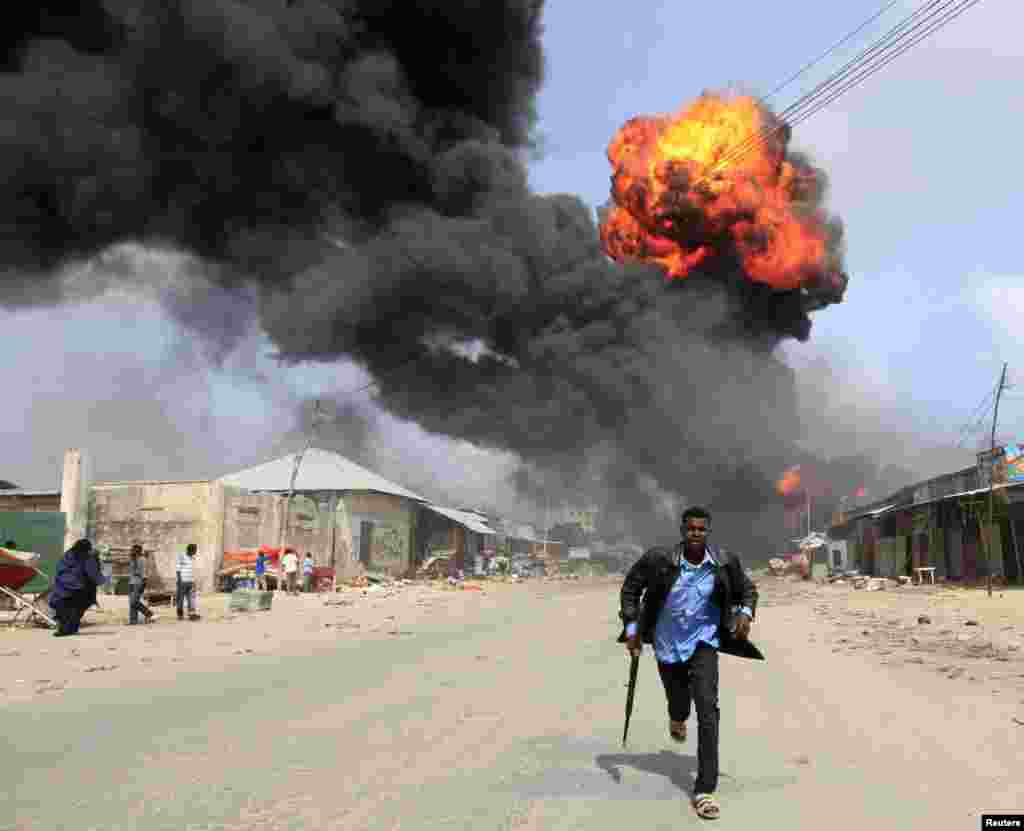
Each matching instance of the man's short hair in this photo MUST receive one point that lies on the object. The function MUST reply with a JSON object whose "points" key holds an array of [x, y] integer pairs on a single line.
{"points": [[696, 512], [190, 548]]}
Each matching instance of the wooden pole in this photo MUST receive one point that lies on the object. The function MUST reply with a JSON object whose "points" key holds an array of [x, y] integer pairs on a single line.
{"points": [[291, 488], [547, 525], [992, 478]]}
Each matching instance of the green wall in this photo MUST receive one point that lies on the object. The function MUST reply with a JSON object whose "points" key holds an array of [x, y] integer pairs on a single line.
{"points": [[41, 532]]}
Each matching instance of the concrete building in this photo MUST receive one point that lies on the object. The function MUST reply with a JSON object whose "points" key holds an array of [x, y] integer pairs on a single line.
{"points": [[463, 536], [23, 500], [163, 517], [349, 517]]}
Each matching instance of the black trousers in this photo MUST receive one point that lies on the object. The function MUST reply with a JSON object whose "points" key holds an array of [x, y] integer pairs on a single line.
{"points": [[135, 604], [186, 593], [69, 615], [694, 682]]}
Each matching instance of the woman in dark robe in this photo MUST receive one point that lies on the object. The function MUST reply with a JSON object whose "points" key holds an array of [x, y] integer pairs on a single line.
{"points": [[74, 587]]}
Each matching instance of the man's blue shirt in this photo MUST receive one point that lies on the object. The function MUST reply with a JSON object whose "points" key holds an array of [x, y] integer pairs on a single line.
{"points": [[689, 615]]}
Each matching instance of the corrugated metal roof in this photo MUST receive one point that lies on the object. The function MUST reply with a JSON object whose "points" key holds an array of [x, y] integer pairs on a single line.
{"points": [[934, 499], [471, 521], [321, 470], [996, 487], [11, 492]]}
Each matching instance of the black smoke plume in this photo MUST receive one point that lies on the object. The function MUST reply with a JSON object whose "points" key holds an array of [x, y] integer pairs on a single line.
{"points": [[360, 165]]}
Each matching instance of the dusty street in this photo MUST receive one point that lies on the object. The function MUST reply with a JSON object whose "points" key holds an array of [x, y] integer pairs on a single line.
{"points": [[503, 709]]}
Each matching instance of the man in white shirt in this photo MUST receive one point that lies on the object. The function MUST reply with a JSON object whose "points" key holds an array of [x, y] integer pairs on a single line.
{"points": [[291, 570], [185, 570]]}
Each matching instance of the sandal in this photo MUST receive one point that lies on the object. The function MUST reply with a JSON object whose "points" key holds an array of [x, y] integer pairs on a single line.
{"points": [[706, 806], [677, 730]]}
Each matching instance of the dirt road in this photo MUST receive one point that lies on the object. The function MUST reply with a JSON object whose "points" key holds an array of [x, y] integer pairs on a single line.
{"points": [[492, 710]]}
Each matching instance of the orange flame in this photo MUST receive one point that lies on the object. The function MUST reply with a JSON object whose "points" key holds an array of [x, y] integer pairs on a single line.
{"points": [[791, 482], [683, 191]]}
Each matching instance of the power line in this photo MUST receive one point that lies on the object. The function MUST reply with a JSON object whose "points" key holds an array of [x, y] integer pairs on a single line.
{"points": [[901, 30], [924, 21], [838, 77], [814, 62], [984, 401], [919, 33], [745, 146], [975, 423], [980, 413]]}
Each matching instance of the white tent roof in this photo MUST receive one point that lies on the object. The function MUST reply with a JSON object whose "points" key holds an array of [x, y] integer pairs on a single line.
{"points": [[321, 470], [464, 518]]}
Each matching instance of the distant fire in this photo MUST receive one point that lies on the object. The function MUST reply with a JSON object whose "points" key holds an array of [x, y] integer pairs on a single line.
{"points": [[791, 483], [715, 181]]}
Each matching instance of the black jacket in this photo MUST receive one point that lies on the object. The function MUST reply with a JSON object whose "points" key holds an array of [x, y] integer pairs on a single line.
{"points": [[649, 581]]}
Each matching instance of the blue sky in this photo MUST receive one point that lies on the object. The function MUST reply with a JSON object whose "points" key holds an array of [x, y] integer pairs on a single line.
{"points": [[923, 172]]}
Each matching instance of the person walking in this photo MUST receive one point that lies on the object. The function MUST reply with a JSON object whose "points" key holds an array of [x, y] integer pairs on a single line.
{"points": [[307, 573], [185, 573], [74, 587], [261, 571], [691, 603], [290, 562], [136, 586]]}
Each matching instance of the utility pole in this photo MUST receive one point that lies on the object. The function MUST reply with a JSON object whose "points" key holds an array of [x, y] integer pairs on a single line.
{"points": [[310, 438], [547, 523], [992, 478]]}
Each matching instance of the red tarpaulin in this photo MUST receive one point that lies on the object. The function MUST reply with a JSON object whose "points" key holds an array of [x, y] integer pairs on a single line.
{"points": [[16, 568]]}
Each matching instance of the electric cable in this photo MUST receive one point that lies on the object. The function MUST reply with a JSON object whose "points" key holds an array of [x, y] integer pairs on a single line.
{"points": [[899, 39]]}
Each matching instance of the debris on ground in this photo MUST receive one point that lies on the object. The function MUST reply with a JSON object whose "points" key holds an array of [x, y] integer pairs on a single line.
{"points": [[359, 582], [435, 568], [871, 584]]}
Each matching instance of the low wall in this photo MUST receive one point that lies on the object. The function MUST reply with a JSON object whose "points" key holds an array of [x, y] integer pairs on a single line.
{"points": [[163, 517]]}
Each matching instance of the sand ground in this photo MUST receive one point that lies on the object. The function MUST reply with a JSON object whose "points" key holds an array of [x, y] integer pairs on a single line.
{"points": [[425, 707]]}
